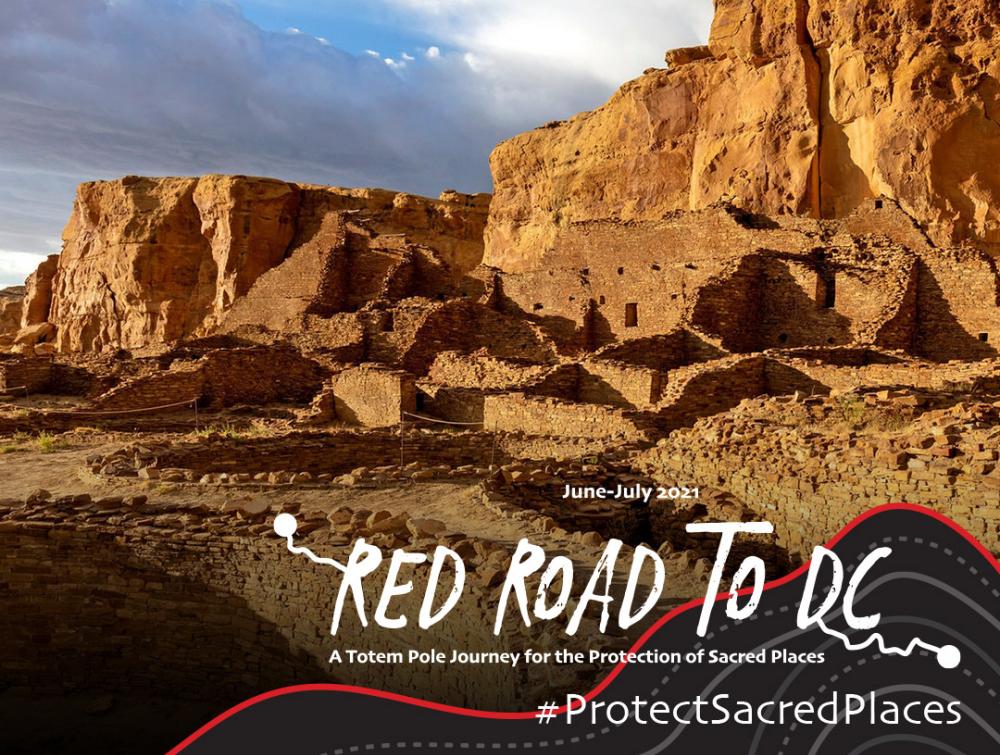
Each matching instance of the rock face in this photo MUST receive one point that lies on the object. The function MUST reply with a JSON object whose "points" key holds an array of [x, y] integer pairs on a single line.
{"points": [[148, 262], [739, 193], [11, 301], [249, 225], [38, 293], [135, 266], [795, 106]]}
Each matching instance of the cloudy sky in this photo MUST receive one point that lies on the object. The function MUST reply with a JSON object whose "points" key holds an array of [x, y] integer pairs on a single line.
{"points": [[405, 94]]}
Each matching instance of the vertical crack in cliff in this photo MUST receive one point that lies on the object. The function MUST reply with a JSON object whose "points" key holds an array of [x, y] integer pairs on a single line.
{"points": [[756, 35], [840, 183], [816, 90], [118, 315]]}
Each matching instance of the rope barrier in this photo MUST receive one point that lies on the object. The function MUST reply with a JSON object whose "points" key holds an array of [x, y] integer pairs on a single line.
{"points": [[76, 413], [16, 388], [441, 421], [402, 433]]}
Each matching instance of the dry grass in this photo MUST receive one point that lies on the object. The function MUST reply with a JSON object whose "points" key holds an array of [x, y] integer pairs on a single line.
{"points": [[858, 415], [852, 409], [86, 431], [18, 442], [256, 428], [44, 442], [48, 443]]}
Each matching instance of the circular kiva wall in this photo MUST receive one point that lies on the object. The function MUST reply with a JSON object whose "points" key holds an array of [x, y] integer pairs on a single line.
{"points": [[137, 621], [91, 627]]}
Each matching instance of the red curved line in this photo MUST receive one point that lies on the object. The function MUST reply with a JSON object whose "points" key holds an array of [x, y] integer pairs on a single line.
{"points": [[531, 715]]}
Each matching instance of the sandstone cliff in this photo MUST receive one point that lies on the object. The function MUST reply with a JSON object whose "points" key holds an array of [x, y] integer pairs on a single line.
{"points": [[11, 301], [795, 106], [150, 261], [38, 292], [803, 110]]}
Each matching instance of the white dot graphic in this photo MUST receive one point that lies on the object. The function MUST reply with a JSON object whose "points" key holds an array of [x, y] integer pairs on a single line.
{"points": [[949, 656], [285, 525]]}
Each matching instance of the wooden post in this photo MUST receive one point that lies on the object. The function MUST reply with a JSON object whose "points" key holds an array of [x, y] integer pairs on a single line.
{"points": [[493, 453], [402, 428]]}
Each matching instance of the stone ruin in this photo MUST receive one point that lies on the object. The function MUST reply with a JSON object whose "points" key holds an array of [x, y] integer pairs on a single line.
{"points": [[793, 306]]}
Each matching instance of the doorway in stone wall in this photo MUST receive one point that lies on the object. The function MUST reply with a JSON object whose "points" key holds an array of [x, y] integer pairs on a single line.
{"points": [[631, 315], [826, 289]]}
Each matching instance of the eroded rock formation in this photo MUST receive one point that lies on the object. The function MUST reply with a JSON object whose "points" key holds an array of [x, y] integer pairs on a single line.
{"points": [[11, 304], [151, 261], [796, 110], [37, 295], [795, 106], [809, 178]]}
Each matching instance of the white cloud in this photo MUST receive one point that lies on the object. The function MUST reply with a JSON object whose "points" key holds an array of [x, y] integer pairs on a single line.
{"points": [[16, 266], [91, 89], [612, 42], [473, 62]]}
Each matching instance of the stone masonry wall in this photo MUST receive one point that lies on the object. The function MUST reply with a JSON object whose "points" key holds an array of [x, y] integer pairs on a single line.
{"points": [[212, 596], [603, 381], [754, 284], [810, 484], [466, 326], [30, 372], [710, 388], [373, 397], [481, 371], [222, 378], [515, 412], [318, 453]]}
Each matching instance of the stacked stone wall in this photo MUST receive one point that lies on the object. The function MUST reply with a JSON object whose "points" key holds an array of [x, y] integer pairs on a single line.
{"points": [[31, 373], [810, 484], [186, 602], [531, 415], [481, 371], [710, 388], [371, 396], [871, 278], [225, 377], [603, 381], [316, 453]]}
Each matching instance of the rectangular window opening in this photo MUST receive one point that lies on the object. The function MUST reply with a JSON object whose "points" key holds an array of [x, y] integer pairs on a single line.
{"points": [[631, 315], [826, 289], [830, 297]]}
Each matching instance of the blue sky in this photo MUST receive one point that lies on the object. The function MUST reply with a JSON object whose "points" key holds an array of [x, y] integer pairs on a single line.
{"points": [[404, 94], [347, 24]]}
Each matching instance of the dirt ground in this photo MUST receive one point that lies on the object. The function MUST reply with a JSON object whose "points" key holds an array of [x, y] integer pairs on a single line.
{"points": [[58, 464]]}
